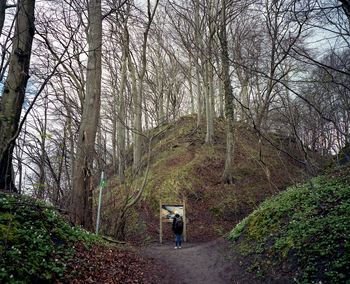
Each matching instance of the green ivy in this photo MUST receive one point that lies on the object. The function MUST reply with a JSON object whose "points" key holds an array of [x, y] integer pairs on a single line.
{"points": [[35, 241], [308, 224]]}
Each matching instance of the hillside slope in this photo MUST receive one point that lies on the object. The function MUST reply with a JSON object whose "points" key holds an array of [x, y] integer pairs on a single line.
{"points": [[182, 166], [38, 246], [302, 234]]}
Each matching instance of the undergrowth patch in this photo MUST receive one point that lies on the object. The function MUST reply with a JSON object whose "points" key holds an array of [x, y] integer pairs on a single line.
{"points": [[35, 241], [304, 230]]}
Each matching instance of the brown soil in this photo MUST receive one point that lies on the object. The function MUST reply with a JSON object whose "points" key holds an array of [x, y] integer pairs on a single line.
{"points": [[108, 265], [210, 262]]}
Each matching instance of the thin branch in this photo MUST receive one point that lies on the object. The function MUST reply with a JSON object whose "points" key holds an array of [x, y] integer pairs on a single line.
{"points": [[59, 62], [113, 10]]}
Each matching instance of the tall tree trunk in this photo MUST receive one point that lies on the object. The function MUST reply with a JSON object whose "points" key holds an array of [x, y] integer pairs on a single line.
{"points": [[208, 105], [114, 130], [161, 113], [15, 87], [42, 173], [121, 139], [2, 14], [145, 112], [199, 93], [221, 89], [99, 147], [138, 122], [198, 52], [209, 102], [20, 176], [122, 110], [137, 151], [138, 98], [136, 116], [190, 83], [346, 8], [71, 139], [212, 32], [244, 98], [227, 175], [243, 80], [160, 87], [83, 179], [212, 95]]}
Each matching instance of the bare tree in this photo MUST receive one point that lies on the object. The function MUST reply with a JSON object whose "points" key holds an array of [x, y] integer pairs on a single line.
{"points": [[83, 182], [138, 95], [227, 175], [15, 87]]}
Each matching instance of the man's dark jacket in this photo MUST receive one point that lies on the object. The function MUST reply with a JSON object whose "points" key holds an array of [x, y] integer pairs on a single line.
{"points": [[177, 230]]}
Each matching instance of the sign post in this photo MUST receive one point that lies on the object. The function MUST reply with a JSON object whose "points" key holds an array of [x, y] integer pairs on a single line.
{"points": [[160, 222], [167, 214], [102, 185], [185, 223]]}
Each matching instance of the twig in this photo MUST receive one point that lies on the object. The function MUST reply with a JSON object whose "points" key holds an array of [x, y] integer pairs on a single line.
{"points": [[109, 239]]}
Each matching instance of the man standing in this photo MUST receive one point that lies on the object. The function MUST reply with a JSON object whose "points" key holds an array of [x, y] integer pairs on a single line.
{"points": [[178, 227]]}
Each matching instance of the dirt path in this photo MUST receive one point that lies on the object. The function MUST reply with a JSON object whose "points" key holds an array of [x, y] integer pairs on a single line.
{"points": [[197, 263]]}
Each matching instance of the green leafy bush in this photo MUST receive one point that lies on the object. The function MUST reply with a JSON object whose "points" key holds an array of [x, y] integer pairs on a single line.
{"points": [[35, 241], [306, 228]]}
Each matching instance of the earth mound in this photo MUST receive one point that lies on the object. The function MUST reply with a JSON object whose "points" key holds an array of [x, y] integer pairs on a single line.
{"points": [[184, 167]]}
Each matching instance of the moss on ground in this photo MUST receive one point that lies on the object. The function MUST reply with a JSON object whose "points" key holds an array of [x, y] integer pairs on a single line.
{"points": [[305, 230]]}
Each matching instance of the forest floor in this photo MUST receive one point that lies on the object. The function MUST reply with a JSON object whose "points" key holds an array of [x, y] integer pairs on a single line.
{"points": [[210, 262]]}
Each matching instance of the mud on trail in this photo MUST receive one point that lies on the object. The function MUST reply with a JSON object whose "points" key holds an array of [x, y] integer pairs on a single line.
{"points": [[194, 263]]}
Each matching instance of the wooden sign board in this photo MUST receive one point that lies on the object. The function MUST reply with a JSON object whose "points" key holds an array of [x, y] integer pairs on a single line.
{"points": [[167, 213]]}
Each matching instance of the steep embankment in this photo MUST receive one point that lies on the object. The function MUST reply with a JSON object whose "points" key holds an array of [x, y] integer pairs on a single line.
{"points": [[303, 233], [183, 166], [38, 246]]}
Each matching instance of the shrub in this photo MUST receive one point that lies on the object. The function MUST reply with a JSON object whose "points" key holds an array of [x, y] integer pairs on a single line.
{"points": [[35, 241], [307, 227]]}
